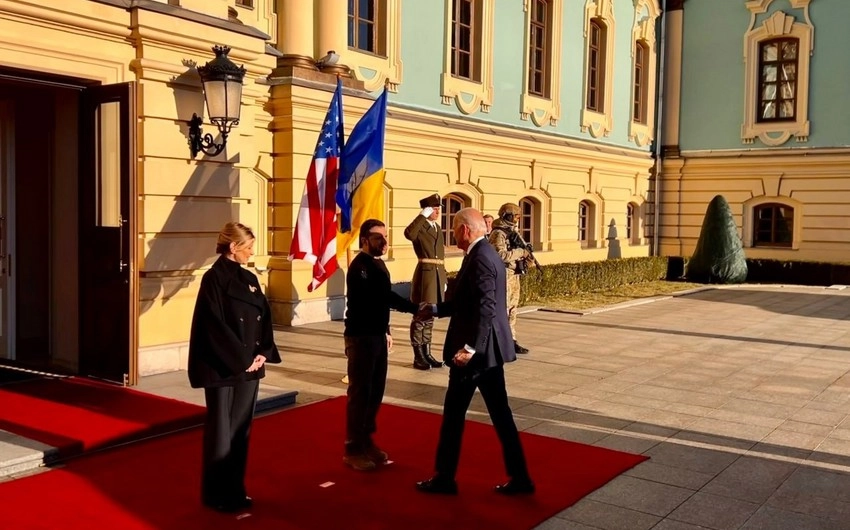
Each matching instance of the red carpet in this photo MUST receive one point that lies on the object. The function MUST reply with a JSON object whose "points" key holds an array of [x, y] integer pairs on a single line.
{"points": [[76, 415], [155, 484]]}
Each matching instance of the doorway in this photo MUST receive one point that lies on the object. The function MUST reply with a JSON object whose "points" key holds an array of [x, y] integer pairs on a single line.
{"points": [[66, 215]]}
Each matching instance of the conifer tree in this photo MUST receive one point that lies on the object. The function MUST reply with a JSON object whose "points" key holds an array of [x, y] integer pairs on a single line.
{"points": [[719, 256]]}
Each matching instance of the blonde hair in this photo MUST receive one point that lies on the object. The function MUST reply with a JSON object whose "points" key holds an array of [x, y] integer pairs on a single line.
{"points": [[232, 232]]}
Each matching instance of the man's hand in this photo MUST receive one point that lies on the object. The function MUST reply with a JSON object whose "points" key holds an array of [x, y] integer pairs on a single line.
{"points": [[258, 363], [462, 357], [426, 212]]}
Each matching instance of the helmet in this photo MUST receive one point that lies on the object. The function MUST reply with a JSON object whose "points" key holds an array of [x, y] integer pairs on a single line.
{"points": [[509, 208]]}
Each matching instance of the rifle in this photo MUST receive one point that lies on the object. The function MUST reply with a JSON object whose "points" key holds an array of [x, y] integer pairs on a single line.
{"points": [[517, 241]]}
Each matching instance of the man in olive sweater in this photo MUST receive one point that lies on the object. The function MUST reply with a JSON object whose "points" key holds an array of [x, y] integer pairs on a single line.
{"points": [[367, 341]]}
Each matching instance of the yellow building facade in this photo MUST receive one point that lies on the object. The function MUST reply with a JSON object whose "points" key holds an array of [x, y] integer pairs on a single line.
{"points": [[109, 221]]}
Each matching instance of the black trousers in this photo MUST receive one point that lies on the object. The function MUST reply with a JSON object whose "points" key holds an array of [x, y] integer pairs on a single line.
{"points": [[491, 384], [230, 411], [367, 379]]}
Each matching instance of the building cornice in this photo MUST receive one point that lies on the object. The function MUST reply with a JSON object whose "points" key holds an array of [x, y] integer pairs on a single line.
{"points": [[186, 14]]}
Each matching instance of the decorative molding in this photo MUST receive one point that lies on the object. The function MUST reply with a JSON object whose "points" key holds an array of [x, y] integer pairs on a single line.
{"points": [[377, 70], [544, 111], [643, 30], [470, 96], [599, 123], [777, 25]]}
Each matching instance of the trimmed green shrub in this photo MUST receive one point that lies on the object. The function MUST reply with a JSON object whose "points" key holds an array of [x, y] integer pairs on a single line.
{"points": [[798, 272], [569, 278], [719, 255]]}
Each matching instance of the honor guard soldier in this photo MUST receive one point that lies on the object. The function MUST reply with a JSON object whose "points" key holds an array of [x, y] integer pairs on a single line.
{"points": [[514, 256], [429, 278]]}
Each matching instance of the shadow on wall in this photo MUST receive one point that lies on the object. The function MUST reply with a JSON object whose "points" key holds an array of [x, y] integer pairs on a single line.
{"points": [[614, 250], [185, 241]]}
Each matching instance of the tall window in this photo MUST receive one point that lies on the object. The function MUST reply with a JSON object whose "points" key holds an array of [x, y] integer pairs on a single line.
{"points": [[773, 225], [245, 3], [630, 221], [640, 90], [526, 220], [596, 67], [362, 25], [539, 48], [778, 80], [463, 38], [583, 219], [451, 204]]}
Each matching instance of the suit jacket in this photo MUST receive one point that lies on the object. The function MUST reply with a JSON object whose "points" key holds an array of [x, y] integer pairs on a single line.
{"points": [[231, 325], [477, 306], [429, 279]]}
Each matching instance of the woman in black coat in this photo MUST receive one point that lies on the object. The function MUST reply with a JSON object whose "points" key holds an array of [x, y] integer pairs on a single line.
{"points": [[231, 340]]}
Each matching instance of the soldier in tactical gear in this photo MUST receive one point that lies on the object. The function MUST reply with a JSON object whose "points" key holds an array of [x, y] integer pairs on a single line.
{"points": [[513, 255], [429, 278]]}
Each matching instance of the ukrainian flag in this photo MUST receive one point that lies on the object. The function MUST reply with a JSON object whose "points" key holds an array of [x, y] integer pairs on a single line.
{"points": [[360, 189]]}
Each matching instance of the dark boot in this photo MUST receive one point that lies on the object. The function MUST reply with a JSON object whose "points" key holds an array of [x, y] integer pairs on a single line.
{"points": [[519, 349], [419, 361], [428, 357]]}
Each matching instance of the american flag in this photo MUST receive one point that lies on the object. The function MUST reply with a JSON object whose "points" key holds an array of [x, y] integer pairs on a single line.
{"points": [[314, 239]]}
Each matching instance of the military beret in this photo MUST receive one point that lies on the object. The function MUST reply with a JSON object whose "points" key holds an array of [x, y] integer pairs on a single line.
{"points": [[431, 200]]}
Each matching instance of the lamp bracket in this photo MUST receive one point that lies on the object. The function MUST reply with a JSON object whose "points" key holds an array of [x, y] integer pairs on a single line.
{"points": [[205, 143]]}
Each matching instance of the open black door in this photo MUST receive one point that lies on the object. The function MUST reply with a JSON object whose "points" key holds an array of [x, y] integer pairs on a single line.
{"points": [[107, 225]]}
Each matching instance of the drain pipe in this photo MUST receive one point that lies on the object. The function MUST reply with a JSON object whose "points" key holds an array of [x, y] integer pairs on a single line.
{"points": [[659, 119]]}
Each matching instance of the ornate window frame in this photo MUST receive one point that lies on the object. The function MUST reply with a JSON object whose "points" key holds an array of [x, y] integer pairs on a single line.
{"points": [[377, 71], [599, 123], [638, 206], [594, 219], [643, 31], [540, 110], [780, 24], [749, 221], [535, 230], [470, 96], [447, 217]]}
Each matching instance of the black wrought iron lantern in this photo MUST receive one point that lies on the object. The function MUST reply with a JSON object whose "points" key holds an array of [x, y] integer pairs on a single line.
{"points": [[222, 83]]}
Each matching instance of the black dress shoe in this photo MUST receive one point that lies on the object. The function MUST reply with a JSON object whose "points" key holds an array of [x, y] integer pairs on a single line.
{"points": [[439, 485], [519, 349], [516, 487]]}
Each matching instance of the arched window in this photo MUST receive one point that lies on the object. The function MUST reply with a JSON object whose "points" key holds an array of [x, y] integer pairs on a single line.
{"points": [[528, 213], [363, 25], [773, 225], [539, 48], [596, 66], [451, 204], [630, 222], [640, 90], [777, 95], [466, 33], [584, 218]]}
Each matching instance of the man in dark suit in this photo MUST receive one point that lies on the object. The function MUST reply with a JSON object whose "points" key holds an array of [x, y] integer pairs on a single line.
{"points": [[429, 278], [478, 344]]}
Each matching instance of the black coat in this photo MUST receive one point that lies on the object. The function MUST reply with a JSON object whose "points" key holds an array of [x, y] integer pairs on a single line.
{"points": [[232, 324], [477, 307]]}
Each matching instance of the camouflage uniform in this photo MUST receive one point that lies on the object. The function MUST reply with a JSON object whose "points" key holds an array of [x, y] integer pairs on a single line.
{"points": [[510, 256]]}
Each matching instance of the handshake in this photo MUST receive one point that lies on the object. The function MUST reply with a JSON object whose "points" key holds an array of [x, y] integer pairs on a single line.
{"points": [[426, 311]]}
